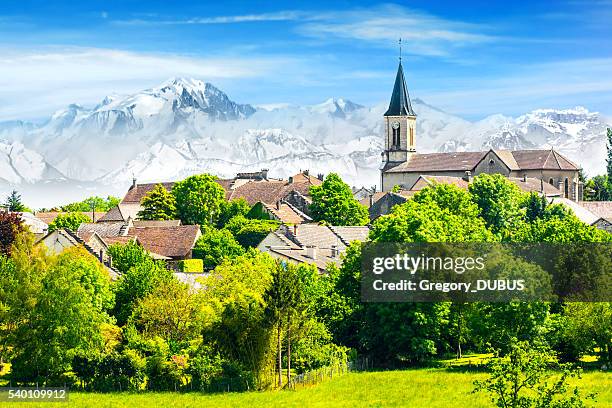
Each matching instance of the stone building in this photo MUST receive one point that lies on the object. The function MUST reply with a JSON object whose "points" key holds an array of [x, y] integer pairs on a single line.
{"points": [[403, 165]]}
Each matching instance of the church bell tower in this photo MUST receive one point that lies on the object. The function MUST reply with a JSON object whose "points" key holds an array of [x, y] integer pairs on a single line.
{"points": [[400, 123]]}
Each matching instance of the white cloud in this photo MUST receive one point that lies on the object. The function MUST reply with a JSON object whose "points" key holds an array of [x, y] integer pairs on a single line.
{"points": [[35, 82], [288, 15], [422, 33]]}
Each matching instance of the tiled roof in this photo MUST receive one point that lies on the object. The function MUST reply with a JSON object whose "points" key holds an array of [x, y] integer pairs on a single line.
{"points": [[602, 209], [49, 216], [349, 234], [457, 181], [458, 161], [314, 235], [322, 258], [268, 191], [462, 161], [533, 184], [165, 223], [172, 242], [136, 194], [103, 229], [375, 197], [286, 214], [542, 159], [582, 213]]}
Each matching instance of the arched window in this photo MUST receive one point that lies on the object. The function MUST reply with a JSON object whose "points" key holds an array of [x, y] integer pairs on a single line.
{"points": [[566, 189], [551, 181], [396, 137], [411, 136]]}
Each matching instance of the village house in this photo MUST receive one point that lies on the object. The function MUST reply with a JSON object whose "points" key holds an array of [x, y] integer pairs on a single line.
{"points": [[62, 239], [314, 244], [403, 165], [602, 211]]}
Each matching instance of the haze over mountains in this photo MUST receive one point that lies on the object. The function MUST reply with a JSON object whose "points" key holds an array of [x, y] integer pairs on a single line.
{"points": [[186, 126]]}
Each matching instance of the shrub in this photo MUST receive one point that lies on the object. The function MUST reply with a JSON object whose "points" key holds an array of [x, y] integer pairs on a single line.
{"points": [[191, 265]]}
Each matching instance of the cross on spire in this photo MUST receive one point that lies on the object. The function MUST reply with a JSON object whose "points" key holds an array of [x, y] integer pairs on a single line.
{"points": [[400, 49]]}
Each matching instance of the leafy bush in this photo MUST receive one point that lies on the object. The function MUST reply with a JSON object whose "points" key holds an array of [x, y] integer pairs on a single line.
{"points": [[191, 265], [71, 221], [163, 374], [215, 245], [249, 233]]}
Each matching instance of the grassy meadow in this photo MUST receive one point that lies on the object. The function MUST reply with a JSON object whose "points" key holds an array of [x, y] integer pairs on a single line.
{"points": [[432, 388]]}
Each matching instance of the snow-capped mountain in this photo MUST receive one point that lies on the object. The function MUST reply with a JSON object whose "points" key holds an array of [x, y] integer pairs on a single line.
{"points": [[186, 126]]}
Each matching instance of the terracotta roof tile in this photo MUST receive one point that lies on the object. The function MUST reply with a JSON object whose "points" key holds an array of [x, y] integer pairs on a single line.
{"points": [[602, 209], [459, 161], [172, 242], [286, 214]]}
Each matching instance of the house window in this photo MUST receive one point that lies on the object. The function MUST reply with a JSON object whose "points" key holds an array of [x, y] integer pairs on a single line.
{"points": [[566, 188], [551, 181]]}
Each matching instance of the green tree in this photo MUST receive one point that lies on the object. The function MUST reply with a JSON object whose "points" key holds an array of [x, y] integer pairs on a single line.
{"points": [[499, 201], [282, 299], [250, 232], [215, 245], [231, 209], [71, 221], [589, 325], [13, 202], [178, 321], [95, 202], [333, 203], [598, 188], [158, 204], [521, 380], [198, 199], [55, 312], [235, 294], [140, 276], [10, 226]]}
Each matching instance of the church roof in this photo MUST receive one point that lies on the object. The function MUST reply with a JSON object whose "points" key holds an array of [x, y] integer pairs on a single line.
{"points": [[516, 160], [458, 161], [400, 100]]}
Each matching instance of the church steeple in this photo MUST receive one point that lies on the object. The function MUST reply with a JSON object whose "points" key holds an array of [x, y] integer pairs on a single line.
{"points": [[400, 100], [400, 123]]}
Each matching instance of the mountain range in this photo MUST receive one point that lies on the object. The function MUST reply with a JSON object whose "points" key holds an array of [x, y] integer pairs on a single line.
{"points": [[187, 126]]}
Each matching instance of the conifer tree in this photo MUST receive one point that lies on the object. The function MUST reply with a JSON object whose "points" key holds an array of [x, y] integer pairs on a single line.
{"points": [[13, 202], [158, 204]]}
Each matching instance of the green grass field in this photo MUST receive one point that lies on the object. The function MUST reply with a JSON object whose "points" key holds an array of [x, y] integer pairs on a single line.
{"points": [[430, 388]]}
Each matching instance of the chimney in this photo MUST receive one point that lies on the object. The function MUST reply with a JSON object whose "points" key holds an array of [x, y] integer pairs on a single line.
{"points": [[311, 251], [542, 185], [320, 176], [290, 179], [334, 251], [278, 205], [371, 200], [468, 176], [295, 230], [133, 183], [524, 177], [305, 172], [264, 174]]}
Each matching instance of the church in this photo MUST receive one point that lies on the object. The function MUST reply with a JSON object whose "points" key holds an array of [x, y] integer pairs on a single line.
{"points": [[403, 166]]}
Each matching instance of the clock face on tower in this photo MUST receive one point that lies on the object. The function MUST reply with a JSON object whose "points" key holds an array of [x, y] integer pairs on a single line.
{"points": [[395, 125]]}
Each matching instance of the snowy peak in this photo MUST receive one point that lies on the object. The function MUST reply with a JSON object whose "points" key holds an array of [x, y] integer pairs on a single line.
{"points": [[336, 107]]}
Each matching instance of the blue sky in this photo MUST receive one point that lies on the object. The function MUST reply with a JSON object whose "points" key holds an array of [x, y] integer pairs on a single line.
{"points": [[471, 58]]}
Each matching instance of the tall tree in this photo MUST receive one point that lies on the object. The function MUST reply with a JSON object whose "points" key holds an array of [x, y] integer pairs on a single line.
{"points": [[13, 202], [333, 203], [198, 199], [215, 245], [499, 201], [158, 204]]}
